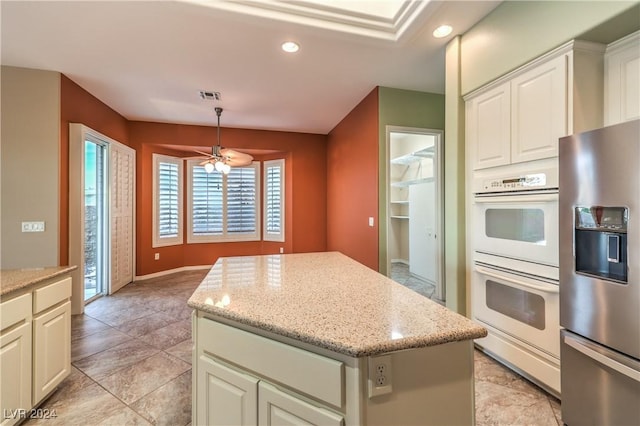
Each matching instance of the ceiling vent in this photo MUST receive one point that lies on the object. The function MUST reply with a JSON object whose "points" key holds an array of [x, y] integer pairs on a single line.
{"points": [[210, 96]]}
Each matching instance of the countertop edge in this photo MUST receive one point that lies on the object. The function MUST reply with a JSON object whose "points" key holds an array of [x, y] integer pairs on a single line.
{"points": [[474, 331], [33, 277]]}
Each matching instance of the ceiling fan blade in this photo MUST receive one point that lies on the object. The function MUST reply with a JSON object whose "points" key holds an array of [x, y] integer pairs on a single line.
{"points": [[204, 162], [231, 153], [239, 162], [203, 153]]}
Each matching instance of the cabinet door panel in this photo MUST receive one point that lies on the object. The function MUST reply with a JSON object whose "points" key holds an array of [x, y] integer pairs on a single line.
{"points": [[226, 396], [488, 128], [623, 85], [279, 408], [15, 365], [539, 111], [52, 351]]}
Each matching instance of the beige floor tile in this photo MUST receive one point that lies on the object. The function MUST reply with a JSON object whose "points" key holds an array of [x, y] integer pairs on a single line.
{"points": [[500, 405], [108, 362], [145, 325], [167, 336], [183, 350], [83, 325], [87, 405], [138, 380], [96, 342], [168, 405]]}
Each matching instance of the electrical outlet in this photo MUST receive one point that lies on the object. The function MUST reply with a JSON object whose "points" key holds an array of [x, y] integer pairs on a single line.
{"points": [[380, 375], [281, 250], [156, 256]]}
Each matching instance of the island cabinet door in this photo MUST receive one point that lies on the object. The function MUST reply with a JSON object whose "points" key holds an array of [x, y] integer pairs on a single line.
{"points": [[225, 396], [279, 408]]}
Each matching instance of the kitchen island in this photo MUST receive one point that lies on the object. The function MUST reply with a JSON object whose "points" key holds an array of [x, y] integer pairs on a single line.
{"points": [[320, 338]]}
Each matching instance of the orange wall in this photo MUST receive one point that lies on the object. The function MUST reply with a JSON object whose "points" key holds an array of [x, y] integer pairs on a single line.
{"points": [[305, 202], [79, 106], [352, 183]]}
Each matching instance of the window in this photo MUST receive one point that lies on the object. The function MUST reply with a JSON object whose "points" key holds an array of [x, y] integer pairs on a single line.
{"points": [[273, 200], [167, 197], [223, 207]]}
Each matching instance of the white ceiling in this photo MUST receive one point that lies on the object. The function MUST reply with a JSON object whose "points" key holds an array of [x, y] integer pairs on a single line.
{"points": [[148, 60]]}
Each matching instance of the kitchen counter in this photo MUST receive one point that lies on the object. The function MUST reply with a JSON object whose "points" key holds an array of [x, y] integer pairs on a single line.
{"points": [[12, 280], [328, 300], [320, 338]]}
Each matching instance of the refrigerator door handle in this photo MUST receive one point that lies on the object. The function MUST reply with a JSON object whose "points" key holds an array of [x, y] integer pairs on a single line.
{"points": [[602, 359]]}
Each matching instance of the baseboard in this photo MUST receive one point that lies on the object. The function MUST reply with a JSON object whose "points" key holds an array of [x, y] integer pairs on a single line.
{"points": [[406, 262], [171, 271]]}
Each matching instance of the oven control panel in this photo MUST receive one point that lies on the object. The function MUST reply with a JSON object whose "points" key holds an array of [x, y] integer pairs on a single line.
{"points": [[532, 181]]}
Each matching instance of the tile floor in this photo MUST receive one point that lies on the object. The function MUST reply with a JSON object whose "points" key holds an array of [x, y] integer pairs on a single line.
{"points": [[400, 274], [131, 365]]}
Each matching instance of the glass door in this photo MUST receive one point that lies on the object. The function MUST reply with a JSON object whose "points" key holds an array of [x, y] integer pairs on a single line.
{"points": [[96, 225]]}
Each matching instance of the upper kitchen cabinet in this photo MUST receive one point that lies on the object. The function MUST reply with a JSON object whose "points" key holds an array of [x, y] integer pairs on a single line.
{"points": [[622, 80], [521, 116]]}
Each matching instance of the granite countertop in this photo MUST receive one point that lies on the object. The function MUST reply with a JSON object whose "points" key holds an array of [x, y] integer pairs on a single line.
{"points": [[328, 300], [16, 279]]}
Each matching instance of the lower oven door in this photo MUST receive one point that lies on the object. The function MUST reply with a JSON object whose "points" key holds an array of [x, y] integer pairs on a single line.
{"points": [[518, 226], [521, 306]]}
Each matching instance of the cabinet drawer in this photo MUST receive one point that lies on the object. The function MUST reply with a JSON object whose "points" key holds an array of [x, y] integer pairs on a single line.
{"points": [[15, 310], [304, 371], [46, 297]]}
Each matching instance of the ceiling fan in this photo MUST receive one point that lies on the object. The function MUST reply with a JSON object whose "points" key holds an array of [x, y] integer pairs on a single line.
{"points": [[222, 159]]}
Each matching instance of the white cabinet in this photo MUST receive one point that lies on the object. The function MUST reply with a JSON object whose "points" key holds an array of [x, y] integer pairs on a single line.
{"points": [[15, 358], [539, 111], [622, 80], [228, 396], [276, 407], [35, 346], [242, 395], [520, 117], [243, 378], [489, 127]]}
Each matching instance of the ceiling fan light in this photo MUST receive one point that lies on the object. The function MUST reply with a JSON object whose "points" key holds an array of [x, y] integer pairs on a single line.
{"points": [[226, 169], [219, 166], [208, 167]]}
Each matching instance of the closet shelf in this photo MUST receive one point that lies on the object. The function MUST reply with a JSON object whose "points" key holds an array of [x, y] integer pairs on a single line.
{"points": [[405, 183], [414, 156]]}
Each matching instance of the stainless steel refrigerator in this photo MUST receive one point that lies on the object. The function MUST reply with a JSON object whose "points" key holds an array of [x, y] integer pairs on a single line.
{"points": [[599, 230]]}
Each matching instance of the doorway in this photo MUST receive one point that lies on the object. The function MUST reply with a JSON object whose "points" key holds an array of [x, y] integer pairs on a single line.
{"points": [[414, 210], [101, 215]]}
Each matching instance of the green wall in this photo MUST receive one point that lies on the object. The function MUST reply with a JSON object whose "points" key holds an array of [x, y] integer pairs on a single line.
{"points": [[405, 108]]}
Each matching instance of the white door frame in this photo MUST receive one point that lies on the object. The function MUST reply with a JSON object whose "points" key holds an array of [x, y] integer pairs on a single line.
{"points": [[439, 195], [78, 133]]}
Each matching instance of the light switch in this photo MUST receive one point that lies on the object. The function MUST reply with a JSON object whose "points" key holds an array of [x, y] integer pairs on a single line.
{"points": [[371, 221], [32, 226]]}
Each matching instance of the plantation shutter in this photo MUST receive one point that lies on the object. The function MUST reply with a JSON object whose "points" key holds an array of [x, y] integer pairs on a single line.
{"points": [[274, 200], [168, 202], [207, 205], [241, 201]]}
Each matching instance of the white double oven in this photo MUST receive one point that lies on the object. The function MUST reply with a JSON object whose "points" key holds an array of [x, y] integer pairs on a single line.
{"points": [[515, 292]]}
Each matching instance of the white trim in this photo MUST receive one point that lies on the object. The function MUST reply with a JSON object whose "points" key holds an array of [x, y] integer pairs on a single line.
{"points": [[166, 241], [171, 271], [280, 236]]}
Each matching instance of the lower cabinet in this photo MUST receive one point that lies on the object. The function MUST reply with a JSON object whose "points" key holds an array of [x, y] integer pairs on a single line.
{"points": [[15, 365], [35, 346], [276, 407], [232, 397], [52, 349]]}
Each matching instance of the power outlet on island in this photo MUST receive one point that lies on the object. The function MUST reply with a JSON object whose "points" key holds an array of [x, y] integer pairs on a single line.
{"points": [[380, 375]]}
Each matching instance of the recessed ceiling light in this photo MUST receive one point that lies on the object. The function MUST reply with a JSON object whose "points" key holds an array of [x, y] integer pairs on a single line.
{"points": [[442, 31], [290, 46]]}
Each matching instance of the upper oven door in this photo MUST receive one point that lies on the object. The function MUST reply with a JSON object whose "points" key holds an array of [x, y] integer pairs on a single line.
{"points": [[522, 226]]}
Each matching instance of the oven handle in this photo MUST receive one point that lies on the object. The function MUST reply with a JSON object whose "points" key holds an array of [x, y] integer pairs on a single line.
{"points": [[487, 272], [516, 199], [602, 359]]}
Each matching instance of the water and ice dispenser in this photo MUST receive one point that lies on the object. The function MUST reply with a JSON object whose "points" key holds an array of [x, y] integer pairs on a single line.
{"points": [[601, 242]]}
